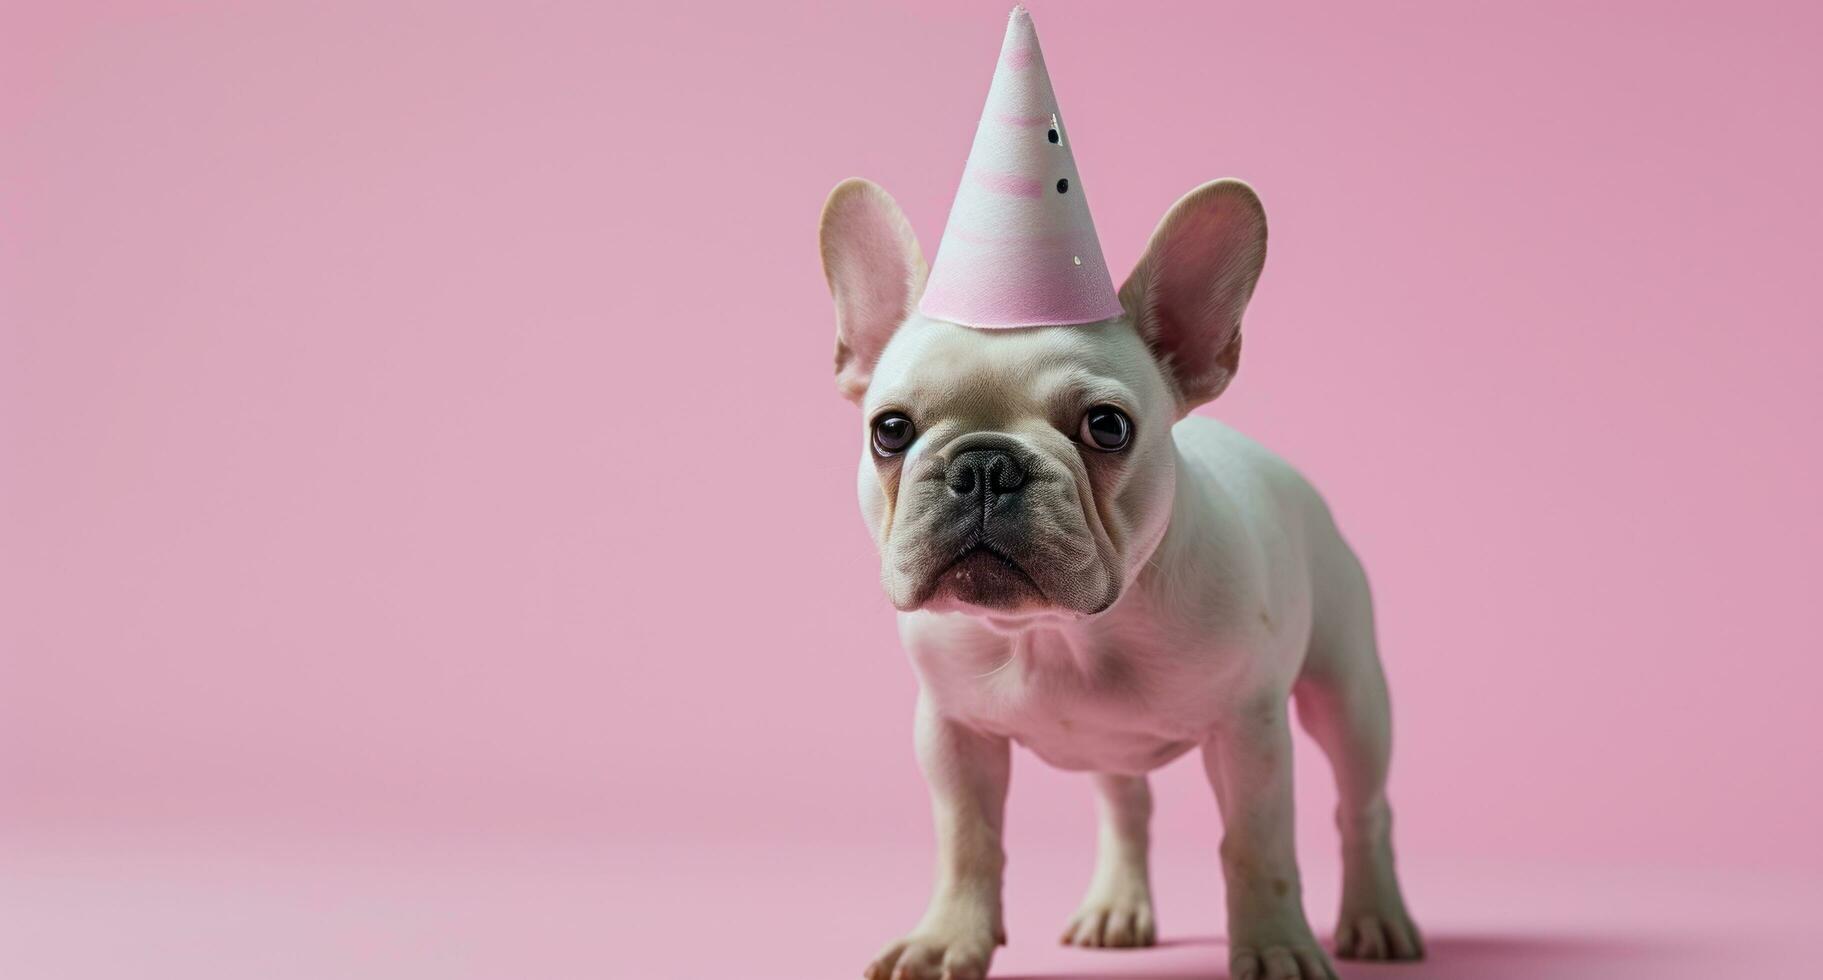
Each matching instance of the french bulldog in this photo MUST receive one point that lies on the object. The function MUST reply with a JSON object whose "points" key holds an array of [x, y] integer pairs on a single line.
{"points": [[1083, 567]]}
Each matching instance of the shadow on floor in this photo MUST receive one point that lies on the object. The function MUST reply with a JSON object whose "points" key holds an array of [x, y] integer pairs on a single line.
{"points": [[1450, 957]]}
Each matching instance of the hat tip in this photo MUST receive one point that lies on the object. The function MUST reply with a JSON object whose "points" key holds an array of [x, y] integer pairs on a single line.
{"points": [[1018, 12]]}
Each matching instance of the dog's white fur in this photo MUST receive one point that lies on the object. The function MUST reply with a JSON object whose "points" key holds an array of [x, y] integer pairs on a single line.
{"points": [[1173, 596]]}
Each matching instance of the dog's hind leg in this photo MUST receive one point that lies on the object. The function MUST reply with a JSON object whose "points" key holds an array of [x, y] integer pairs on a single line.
{"points": [[1117, 911], [1342, 702]]}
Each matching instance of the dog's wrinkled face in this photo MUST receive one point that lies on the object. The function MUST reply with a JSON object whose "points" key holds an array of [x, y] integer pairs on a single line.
{"points": [[1016, 473]]}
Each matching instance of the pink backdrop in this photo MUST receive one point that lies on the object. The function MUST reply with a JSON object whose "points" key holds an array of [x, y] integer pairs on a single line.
{"points": [[416, 419]]}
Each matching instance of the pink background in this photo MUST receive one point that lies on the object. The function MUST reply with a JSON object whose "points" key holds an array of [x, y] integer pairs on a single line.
{"points": [[427, 534]]}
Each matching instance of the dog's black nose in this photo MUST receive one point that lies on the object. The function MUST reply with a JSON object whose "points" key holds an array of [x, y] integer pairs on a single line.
{"points": [[985, 473]]}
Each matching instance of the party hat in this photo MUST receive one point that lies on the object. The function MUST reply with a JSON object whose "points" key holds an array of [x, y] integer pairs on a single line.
{"points": [[1020, 248]]}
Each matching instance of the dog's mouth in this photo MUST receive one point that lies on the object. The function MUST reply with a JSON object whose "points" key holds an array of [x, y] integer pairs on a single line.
{"points": [[983, 575]]}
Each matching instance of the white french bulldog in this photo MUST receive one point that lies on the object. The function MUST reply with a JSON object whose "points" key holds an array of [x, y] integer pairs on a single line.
{"points": [[1081, 566]]}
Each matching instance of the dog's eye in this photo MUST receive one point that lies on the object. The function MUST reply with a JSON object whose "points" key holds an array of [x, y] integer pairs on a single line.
{"points": [[1106, 428], [892, 433]]}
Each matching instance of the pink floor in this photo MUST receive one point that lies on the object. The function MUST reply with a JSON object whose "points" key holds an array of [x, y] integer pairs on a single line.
{"points": [[79, 909]]}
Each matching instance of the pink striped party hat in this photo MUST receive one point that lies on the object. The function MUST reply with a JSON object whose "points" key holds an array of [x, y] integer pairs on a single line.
{"points": [[1020, 248]]}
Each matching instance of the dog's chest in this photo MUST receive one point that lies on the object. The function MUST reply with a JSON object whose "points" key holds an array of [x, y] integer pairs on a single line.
{"points": [[1081, 709]]}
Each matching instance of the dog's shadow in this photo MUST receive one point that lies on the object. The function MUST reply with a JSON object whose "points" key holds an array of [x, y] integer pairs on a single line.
{"points": [[1448, 957]]}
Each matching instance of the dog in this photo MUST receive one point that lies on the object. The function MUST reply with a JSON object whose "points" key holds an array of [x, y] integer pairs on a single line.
{"points": [[1083, 567]]}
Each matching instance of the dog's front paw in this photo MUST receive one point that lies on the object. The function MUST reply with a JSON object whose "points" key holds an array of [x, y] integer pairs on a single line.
{"points": [[1374, 923], [1291, 953], [938, 951], [1116, 915], [1378, 932]]}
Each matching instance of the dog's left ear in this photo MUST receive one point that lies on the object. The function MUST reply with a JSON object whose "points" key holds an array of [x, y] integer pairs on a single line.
{"points": [[1189, 290], [875, 271]]}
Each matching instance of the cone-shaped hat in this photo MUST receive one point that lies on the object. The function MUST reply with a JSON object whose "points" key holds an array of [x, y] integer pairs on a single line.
{"points": [[1020, 248]]}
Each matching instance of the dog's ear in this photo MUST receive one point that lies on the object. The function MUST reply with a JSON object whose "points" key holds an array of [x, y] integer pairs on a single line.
{"points": [[1188, 291], [875, 271]]}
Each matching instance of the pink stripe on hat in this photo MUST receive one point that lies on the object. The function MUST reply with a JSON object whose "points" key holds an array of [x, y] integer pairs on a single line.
{"points": [[1018, 185], [1020, 248]]}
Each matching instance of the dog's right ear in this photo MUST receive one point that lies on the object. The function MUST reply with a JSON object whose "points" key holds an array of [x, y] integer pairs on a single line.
{"points": [[875, 271], [1190, 288]]}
